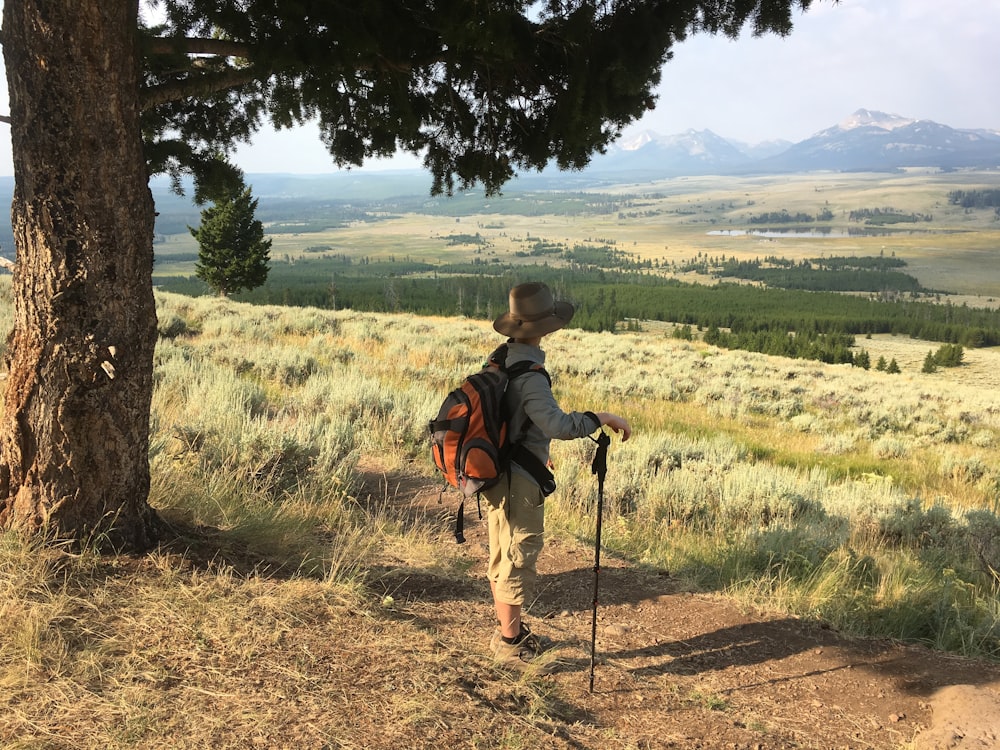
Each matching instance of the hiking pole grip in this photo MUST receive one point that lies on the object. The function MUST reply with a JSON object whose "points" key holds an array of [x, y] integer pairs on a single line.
{"points": [[600, 468]]}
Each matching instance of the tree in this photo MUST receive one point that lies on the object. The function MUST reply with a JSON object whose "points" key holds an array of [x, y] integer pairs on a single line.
{"points": [[948, 355], [232, 252], [98, 102], [930, 365]]}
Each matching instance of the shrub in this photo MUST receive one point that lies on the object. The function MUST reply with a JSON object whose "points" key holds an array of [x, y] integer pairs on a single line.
{"points": [[889, 447], [916, 527]]}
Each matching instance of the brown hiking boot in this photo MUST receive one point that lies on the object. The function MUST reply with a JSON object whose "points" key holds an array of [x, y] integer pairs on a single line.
{"points": [[524, 654], [495, 640]]}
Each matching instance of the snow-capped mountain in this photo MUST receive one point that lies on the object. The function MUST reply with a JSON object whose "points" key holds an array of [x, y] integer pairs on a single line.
{"points": [[865, 118], [690, 152], [865, 140], [874, 141]]}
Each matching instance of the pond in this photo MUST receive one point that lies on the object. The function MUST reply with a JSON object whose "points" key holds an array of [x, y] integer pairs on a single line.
{"points": [[811, 233]]}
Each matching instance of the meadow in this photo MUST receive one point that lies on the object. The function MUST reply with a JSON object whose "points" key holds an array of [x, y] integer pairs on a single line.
{"points": [[669, 222], [864, 499], [856, 498]]}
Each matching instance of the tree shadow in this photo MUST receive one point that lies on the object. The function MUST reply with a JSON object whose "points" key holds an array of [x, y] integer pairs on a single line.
{"points": [[208, 548]]}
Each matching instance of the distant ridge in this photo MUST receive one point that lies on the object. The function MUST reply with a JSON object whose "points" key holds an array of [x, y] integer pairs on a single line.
{"points": [[866, 140]]}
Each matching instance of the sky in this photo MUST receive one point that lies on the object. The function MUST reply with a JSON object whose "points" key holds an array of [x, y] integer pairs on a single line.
{"points": [[920, 59]]}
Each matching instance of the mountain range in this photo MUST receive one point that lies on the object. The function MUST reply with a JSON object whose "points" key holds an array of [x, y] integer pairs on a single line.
{"points": [[865, 141]]}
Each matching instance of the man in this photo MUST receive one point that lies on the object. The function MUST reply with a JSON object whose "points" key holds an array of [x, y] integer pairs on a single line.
{"points": [[516, 503]]}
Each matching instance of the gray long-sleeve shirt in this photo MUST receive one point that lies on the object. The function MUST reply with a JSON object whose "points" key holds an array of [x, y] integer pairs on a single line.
{"points": [[530, 397]]}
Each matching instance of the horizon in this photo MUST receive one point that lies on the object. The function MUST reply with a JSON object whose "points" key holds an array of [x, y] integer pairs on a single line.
{"points": [[910, 58]]}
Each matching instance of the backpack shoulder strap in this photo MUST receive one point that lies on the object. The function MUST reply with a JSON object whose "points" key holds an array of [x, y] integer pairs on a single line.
{"points": [[523, 367], [497, 358]]}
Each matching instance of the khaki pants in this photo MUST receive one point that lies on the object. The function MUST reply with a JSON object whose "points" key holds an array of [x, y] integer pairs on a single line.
{"points": [[516, 520]]}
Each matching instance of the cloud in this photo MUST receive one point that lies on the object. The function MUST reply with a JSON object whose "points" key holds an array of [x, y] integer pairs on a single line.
{"points": [[917, 58]]}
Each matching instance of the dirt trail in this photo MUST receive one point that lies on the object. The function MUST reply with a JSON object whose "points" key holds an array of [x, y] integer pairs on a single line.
{"points": [[682, 670]]}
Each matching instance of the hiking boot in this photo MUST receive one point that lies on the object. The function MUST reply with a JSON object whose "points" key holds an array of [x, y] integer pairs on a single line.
{"points": [[544, 641], [524, 654]]}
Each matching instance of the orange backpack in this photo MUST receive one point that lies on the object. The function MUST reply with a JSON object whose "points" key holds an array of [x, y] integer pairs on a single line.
{"points": [[470, 443]]}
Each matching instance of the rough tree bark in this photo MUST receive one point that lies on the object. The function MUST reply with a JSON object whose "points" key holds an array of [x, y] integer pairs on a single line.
{"points": [[75, 424]]}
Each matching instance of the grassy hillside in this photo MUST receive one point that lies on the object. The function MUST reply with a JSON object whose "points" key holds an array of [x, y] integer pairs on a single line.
{"points": [[772, 478], [864, 500], [262, 413]]}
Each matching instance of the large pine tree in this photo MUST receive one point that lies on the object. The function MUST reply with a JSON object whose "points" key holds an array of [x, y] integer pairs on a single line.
{"points": [[98, 102]]}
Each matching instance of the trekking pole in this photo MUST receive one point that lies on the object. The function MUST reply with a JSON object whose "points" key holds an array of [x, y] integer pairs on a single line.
{"points": [[600, 468]]}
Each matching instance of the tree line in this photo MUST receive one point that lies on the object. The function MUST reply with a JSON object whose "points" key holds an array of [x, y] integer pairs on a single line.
{"points": [[838, 276], [883, 216], [605, 297], [975, 198]]}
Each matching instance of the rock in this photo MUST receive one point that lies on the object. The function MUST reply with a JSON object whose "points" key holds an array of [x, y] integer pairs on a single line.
{"points": [[617, 630]]}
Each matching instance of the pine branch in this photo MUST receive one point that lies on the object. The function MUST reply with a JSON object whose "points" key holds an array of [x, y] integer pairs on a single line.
{"points": [[6, 119], [202, 85], [162, 45]]}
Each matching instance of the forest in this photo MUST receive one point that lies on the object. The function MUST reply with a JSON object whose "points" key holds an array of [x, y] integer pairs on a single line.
{"points": [[975, 198], [753, 317]]}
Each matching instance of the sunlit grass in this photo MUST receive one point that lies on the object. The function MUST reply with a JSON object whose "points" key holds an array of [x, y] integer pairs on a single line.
{"points": [[866, 500]]}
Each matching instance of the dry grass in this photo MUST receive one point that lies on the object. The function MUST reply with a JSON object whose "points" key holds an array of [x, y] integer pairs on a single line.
{"points": [[295, 608], [193, 648], [163, 652]]}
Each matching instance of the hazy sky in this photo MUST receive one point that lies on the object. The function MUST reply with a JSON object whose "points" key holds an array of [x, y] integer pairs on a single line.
{"points": [[915, 58]]}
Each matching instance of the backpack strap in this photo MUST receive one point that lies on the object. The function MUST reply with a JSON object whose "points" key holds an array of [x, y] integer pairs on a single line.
{"points": [[518, 453], [516, 370], [460, 522], [498, 359], [525, 366]]}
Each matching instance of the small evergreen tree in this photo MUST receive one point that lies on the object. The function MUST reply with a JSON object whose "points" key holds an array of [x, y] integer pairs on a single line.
{"points": [[232, 252], [930, 365], [949, 355], [683, 332], [863, 359], [881, 365], [893, 367]]}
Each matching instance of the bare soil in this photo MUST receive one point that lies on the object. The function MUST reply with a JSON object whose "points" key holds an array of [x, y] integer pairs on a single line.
{"points": [[676, 669]]}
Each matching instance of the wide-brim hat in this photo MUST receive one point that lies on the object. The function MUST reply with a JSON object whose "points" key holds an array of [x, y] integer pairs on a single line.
{"points": [[533, 312]]}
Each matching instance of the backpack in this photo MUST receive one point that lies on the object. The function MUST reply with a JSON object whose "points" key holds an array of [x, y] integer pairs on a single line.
{"points": [[470, 441]]}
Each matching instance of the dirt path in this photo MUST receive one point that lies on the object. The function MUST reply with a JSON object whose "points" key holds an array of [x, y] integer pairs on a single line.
{"points": [[686, 670]]}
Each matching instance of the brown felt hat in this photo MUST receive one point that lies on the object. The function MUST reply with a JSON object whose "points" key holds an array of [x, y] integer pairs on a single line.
{"points": [[533, 312]]}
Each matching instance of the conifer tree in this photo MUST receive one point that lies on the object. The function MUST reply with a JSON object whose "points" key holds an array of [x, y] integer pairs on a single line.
{"points": [[232, 252], [99, 100], [930, 364]]}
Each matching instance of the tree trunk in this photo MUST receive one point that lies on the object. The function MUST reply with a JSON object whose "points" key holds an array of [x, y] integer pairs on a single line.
{"points": [[74, 435]]}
